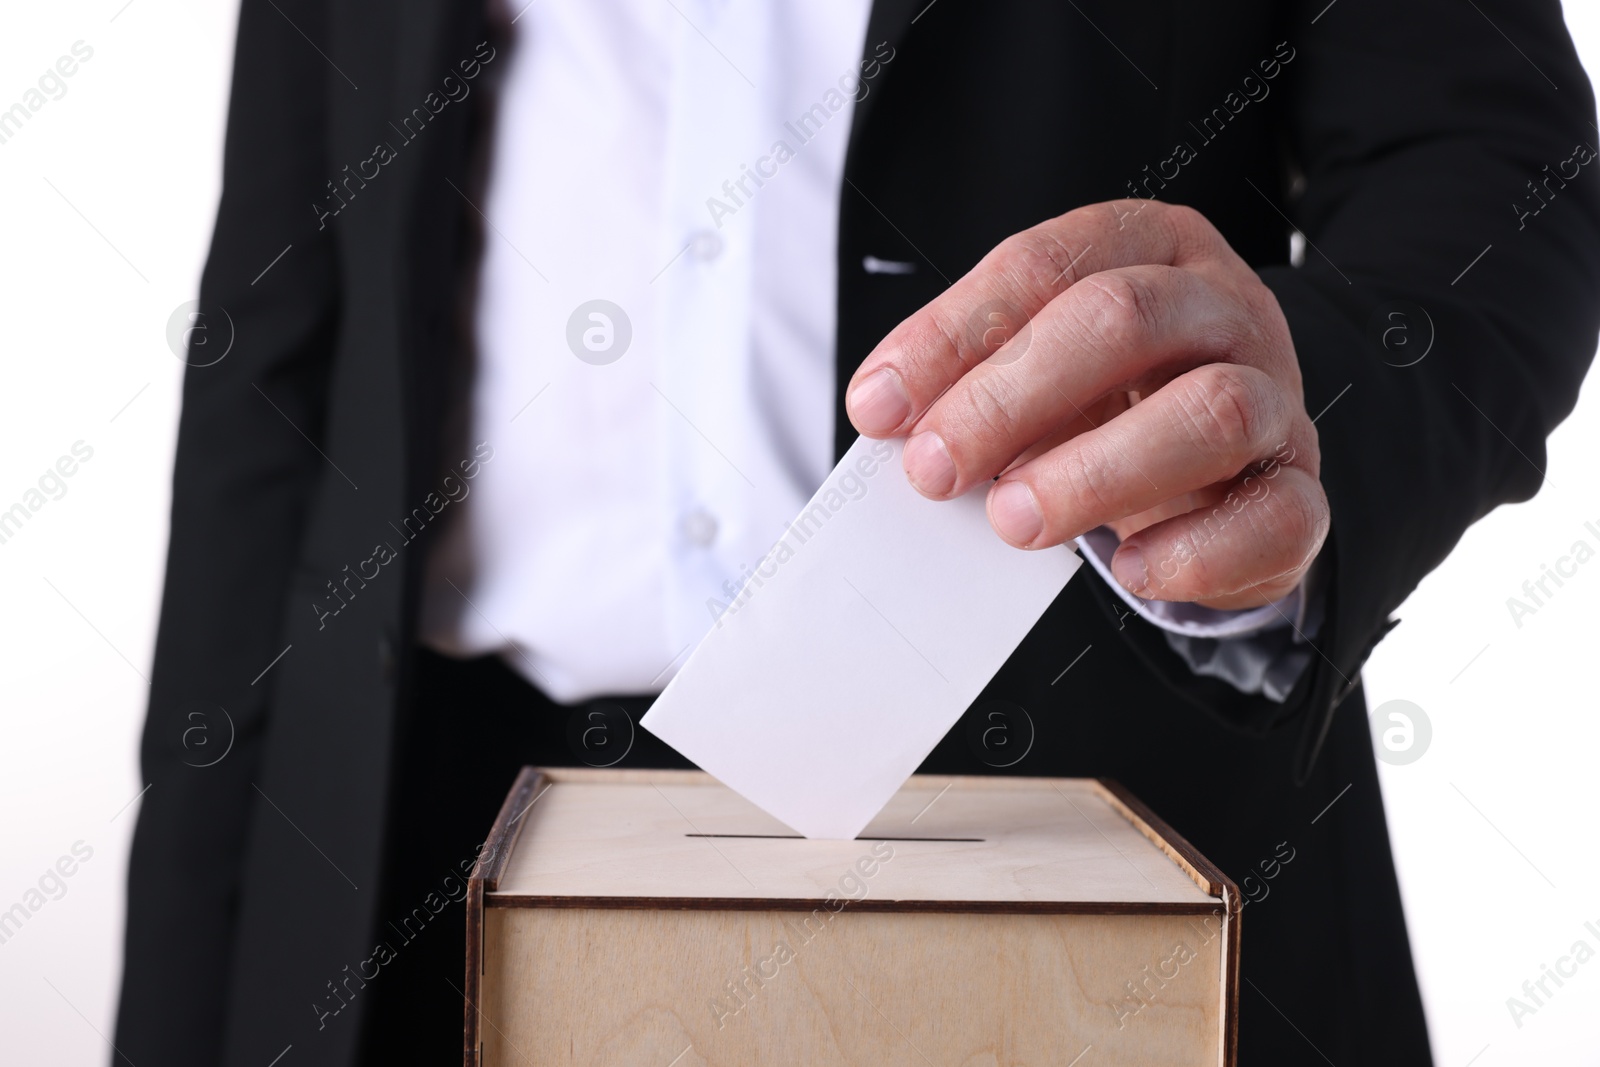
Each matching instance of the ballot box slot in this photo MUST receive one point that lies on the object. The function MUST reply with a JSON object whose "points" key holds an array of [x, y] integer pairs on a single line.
{"points": [[797, 837]]}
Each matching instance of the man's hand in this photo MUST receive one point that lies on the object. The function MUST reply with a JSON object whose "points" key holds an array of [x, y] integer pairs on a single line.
{"points": [[1117, 365]]}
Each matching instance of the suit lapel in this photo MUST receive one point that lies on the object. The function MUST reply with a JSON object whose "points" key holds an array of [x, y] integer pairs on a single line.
{"points": [[887, 23]]}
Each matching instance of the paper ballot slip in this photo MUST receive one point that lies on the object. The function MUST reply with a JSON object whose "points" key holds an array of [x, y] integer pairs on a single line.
{"points": [[857, 643]]}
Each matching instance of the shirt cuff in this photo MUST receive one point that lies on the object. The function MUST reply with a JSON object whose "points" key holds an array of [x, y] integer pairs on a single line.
{"points": [[1260, 651]]}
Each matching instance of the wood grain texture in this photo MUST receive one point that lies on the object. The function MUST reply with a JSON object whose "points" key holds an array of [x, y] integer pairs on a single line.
{"points": [[976, 922], [608, 987], [608, 835], [491, 861], [1209, 877]]}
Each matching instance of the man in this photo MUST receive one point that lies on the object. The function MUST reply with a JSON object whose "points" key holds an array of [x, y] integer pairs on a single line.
{"points": [[445, 495]]}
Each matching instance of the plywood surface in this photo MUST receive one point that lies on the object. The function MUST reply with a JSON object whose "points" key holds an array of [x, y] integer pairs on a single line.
{"points": [[606, 987], [964, 841]]}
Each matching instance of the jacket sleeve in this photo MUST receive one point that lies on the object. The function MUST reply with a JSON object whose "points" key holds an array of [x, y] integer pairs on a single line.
{"points": [[245, 469], [1440, 164]]}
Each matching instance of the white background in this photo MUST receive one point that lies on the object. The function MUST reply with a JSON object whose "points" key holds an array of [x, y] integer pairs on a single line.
{"points": [[1493, 827]]}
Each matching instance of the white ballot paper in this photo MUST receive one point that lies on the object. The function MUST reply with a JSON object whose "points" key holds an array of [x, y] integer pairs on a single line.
{"points": [[859, 640]]}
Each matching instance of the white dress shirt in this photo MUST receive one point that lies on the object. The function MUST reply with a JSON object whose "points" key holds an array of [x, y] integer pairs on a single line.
{"points": [[655, 330]]}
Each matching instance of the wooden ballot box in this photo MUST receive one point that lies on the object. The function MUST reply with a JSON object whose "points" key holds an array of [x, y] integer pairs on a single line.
{"points": [[658, 919]]}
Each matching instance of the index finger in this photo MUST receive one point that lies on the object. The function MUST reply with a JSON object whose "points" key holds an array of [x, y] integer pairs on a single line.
{"points": [[992, 303]]}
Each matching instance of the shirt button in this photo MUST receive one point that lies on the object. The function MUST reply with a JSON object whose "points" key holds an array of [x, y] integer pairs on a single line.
{"points": [[700, 527], [705, 245]]}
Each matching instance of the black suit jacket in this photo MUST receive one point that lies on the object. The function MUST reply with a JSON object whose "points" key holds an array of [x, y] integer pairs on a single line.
{"points": [[1400, 138]]}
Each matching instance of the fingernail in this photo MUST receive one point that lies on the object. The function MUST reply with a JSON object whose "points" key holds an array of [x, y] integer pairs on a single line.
{"points": [[1015, 514], [1128, 567], [928, 464], [879, 404]]}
